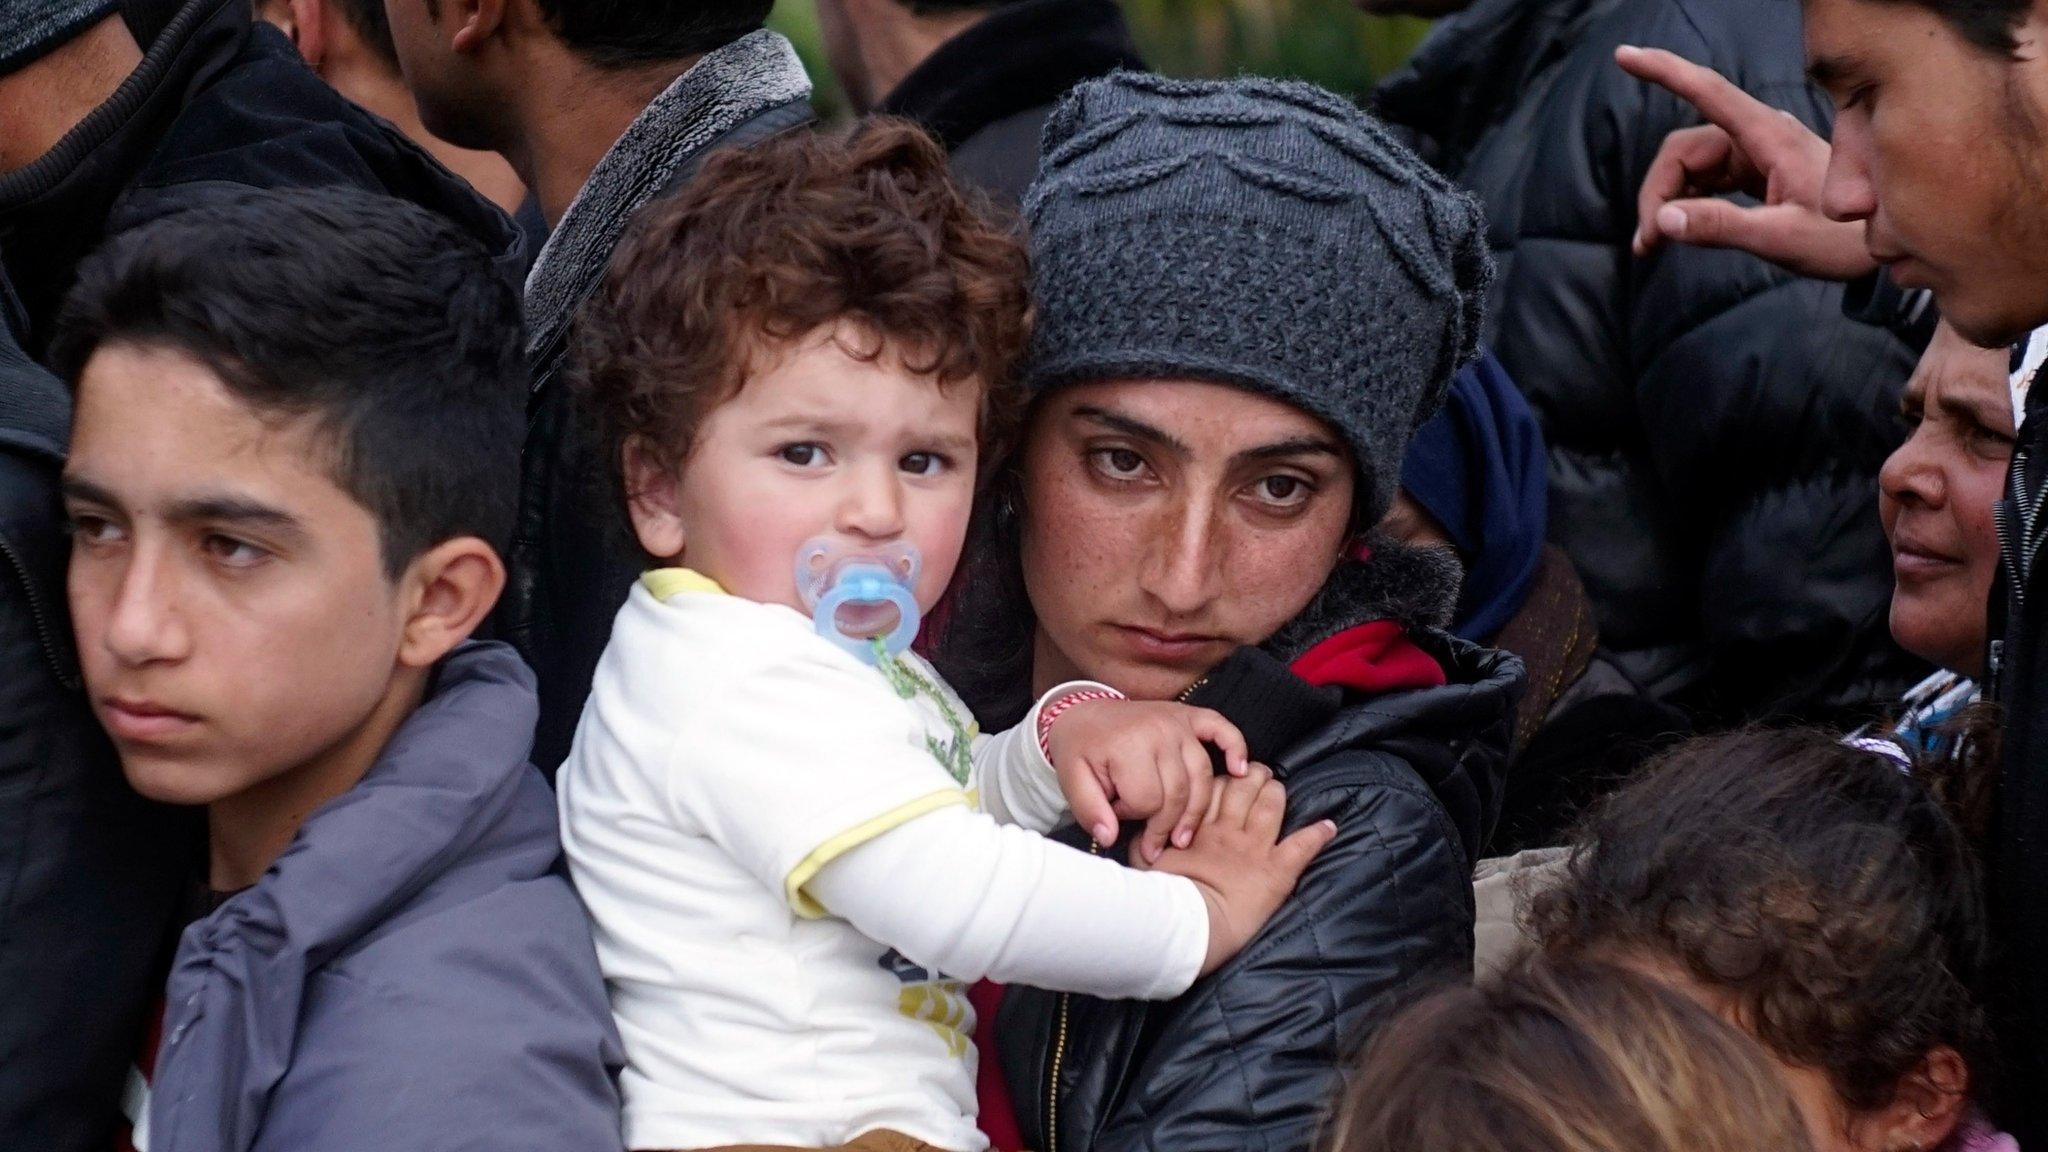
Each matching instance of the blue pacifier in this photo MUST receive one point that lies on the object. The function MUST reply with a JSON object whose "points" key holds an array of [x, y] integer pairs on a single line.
{"points": [[861, 596]]}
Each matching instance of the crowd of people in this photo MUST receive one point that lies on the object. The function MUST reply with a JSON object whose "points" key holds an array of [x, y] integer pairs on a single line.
{"points": [[549, 600]]}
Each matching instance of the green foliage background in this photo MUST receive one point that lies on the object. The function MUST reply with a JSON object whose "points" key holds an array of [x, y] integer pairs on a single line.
{"points": [[1321, 40]]}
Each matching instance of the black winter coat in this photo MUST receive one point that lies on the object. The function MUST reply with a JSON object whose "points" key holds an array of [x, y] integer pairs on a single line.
{"points": [[90, 874], [986, 93], [1249, 1057], [218, 101], [1715, 424], [2016, 860]]}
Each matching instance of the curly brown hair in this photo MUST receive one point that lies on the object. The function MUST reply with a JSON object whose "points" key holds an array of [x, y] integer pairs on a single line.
{"points": [[1564, 1056], [770, 243], [1828, 893]]}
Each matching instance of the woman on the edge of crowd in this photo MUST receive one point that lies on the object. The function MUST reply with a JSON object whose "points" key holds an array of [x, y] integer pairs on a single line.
{"points": [[1249, 297], [1818, 898], [1476, 480], [1565, 1056], [1936, 494]]}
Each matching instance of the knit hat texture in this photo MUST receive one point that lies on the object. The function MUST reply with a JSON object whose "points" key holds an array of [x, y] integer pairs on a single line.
{"points": [[1259, 233], [30, 29]]}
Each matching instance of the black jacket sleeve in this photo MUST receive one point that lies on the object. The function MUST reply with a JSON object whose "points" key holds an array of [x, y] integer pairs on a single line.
{"points": [[1250, 1057]]}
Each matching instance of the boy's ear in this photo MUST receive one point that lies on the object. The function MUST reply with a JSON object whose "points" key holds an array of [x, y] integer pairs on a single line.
{"points": [[451, 587], [1930, 1102], [653, 500], [470, 24]]}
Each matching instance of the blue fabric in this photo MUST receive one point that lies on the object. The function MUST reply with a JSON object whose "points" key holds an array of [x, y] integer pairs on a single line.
{"points": [[413, 972], [1478, 466]]}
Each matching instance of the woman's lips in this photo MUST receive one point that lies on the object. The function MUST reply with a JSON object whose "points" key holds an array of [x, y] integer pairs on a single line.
{"points": [[143, 722], [1912, 561], [1153, 646]]}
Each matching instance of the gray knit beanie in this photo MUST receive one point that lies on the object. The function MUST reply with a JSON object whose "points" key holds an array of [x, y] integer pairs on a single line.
{"points": [[30, 29], [1260, 233]]}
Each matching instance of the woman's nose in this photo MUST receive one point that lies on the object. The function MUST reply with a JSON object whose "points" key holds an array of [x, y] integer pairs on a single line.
{"points": [[1912, 473], [1183, 573]]}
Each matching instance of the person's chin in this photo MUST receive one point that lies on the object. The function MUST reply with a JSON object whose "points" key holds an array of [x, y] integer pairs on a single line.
{"points": [[1926, 626], [173, 779]]}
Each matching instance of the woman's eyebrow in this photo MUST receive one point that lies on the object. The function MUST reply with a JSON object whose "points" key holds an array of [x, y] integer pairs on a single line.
{"points": [[1132, 427], [1984, 412], [1293, 446]]}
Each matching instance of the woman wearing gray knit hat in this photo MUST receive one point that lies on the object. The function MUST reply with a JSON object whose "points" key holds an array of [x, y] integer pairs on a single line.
{"points": [[1249, 297]]}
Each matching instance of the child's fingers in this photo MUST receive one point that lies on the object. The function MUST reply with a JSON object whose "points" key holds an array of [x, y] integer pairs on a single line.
{"points": [[1212, 728], [1238, 794], [1268, 811], [1173, 803], [1201, 781], [1295, 853], [1092, 808]]}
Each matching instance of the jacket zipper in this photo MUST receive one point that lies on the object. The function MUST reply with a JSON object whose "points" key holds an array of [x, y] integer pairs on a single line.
{"points": [[1059, 1051], [1059, 1039], [44, 631]]}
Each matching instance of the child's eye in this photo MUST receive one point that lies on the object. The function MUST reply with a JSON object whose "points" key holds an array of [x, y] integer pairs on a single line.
{"points": [[924, 463], [232, 553], [805, 455]]}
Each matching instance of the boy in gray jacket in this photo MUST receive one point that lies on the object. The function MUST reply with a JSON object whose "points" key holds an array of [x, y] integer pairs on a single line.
{"points": [[294, 457]]}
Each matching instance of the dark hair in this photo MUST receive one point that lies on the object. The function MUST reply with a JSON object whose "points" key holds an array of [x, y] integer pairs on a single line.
{"points": [[1565, 1057], [378, 320], [1824, 890], [778, 240], [370, 21], [1988, 24], [625, 33]]}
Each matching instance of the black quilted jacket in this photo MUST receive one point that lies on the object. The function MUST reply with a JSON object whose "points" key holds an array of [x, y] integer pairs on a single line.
{"points": [[1247, 1059], [1715, 424]]}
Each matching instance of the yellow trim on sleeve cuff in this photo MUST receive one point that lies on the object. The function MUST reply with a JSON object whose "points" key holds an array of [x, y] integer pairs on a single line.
{"points": [[793, 888], [667, 582]]}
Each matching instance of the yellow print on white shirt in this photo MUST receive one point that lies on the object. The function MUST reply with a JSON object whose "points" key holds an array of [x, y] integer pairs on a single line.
{"points": [[936, 1000]]}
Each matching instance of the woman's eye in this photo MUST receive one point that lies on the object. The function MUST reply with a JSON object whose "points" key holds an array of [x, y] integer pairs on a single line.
{"points": [[232, 553], [1120, 463], [802, 455], [924, 463], [1283, 490]]}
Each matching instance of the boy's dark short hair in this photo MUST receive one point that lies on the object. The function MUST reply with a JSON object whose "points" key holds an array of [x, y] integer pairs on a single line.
{"points": [[381, 321], [772, 242], [623, 33], [369, 20]]}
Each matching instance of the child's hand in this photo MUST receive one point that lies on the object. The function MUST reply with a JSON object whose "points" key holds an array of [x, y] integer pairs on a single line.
{"points": [[1136, 760], [1243, 873]]}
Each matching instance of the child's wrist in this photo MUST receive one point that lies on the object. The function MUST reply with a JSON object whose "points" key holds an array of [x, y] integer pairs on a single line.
{"points": [[1052, 709]]}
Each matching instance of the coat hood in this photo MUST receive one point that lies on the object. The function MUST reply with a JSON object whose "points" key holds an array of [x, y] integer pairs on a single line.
{"points": [[451, 808]]}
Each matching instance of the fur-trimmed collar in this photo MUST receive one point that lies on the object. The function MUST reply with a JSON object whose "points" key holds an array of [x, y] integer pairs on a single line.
{"points": [[1414, 587]]}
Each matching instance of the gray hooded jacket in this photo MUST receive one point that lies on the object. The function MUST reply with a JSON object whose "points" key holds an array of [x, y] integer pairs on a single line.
{"points": [[412, 973]]}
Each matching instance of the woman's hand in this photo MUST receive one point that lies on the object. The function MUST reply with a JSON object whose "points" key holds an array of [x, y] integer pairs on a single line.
{"points": [[1237, 859], [1745, 146], [1139, 760]]}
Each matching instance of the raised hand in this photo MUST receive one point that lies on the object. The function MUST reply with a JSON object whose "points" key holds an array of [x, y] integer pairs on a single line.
{"points": [[1745, 146]]}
